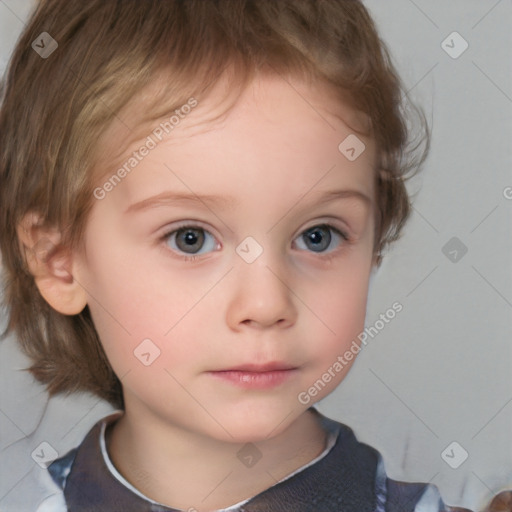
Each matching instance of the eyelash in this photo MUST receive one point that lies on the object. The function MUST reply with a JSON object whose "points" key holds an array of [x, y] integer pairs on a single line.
{"points": [[326, 256]]}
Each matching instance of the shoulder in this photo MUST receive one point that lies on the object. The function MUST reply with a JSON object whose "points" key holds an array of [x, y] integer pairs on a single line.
{"points": [[54, 479], [390, 495], [53, 500], [397, 496], [416, 497]]}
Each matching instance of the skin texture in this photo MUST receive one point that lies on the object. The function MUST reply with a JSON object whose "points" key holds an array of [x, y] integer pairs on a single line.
{"points": [[274, 153]]}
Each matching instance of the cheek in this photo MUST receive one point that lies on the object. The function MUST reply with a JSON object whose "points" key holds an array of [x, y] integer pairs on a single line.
{"points": [[140, 318], [340, 308]]}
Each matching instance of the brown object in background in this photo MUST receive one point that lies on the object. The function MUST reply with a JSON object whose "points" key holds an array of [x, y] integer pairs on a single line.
{"points": [[502, 502]]}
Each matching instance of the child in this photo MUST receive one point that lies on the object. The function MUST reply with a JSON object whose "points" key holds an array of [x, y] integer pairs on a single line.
{"points": [[194, 195]]}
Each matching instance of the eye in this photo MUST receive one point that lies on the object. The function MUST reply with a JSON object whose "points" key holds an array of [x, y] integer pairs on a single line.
{"points": [[190, 240], [318, 238]]}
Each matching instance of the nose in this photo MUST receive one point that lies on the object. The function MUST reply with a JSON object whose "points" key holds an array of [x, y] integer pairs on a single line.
{"points": [[263, 296]]}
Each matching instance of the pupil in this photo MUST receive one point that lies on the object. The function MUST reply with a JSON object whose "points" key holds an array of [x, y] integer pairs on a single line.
{"points": [[190, 237], [193, 239]]}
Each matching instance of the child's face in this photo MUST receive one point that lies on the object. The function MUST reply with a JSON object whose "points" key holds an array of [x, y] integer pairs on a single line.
{"points": [[299, 304]]}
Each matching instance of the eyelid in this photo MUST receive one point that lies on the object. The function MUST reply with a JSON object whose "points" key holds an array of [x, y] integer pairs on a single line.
{"points": [[187, 223], [335, 222]]}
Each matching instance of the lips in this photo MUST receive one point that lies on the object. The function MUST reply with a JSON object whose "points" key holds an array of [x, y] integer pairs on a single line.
{"points": [[260, 368], [257, 376]]}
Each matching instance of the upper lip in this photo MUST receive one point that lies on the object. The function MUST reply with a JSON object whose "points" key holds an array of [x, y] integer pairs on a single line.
{"points": [[259, 368]]}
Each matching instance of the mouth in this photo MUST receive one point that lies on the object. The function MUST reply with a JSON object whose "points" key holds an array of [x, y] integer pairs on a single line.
{"points": [[254, 376], [261, 368]]}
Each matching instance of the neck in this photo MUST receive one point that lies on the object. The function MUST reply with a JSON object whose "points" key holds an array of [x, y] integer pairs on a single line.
{"points": [[190, 471]]}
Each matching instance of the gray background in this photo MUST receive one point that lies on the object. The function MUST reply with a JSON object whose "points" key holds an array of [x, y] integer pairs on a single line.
{"points": [[441, 370]]}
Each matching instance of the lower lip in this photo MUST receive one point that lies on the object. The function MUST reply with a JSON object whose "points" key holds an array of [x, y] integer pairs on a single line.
{"points": [[255, 380]]}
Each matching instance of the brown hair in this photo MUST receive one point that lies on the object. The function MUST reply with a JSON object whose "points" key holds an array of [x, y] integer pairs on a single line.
{"points": [[55, 109]]}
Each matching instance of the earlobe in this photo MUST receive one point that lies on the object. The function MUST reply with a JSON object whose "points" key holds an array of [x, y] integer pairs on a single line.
{"points": [[52, 266]]}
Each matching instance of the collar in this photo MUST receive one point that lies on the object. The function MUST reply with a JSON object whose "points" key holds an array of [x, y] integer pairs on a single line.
{"points": [[341, 478]]}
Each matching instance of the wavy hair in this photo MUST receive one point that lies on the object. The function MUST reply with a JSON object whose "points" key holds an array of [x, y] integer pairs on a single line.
{"points": [[55, 109]]}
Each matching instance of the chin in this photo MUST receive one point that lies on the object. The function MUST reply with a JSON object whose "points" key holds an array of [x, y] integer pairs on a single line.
{"points": [[255, 424]]}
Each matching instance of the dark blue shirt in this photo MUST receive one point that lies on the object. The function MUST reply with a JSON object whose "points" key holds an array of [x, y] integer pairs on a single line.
{"points": [[349, 476]]}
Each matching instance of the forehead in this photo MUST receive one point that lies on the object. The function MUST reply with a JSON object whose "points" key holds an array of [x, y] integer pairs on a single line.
{"points": [[278, 128]]}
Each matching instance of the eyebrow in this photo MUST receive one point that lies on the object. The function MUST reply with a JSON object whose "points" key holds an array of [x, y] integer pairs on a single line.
{"points": [[225, 202]]}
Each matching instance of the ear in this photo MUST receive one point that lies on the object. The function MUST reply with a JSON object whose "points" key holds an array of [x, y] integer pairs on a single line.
{"points": [[52, 265]]}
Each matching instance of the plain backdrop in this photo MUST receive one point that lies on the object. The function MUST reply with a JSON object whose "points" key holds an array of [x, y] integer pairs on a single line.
{"points": [[440, 371]]}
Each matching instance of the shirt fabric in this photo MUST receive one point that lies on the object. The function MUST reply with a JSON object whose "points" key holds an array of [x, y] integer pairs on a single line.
{"points": [[348, 476]]}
